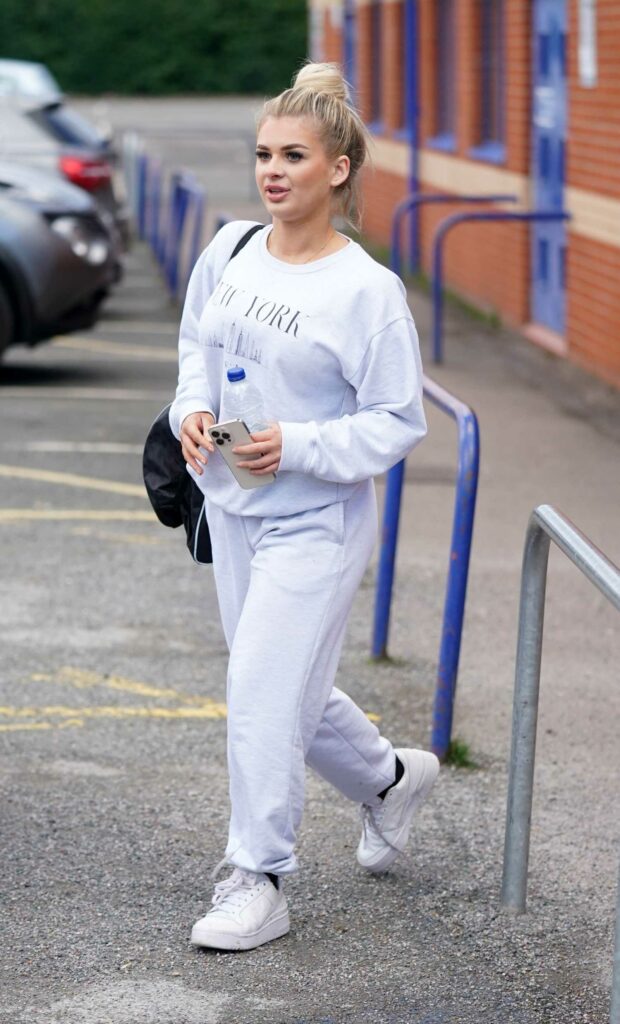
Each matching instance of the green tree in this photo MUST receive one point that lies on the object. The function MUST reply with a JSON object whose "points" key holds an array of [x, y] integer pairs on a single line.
{"points": [[159, 46]]}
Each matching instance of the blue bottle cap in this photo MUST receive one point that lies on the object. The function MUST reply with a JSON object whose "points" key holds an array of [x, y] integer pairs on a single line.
{"points": [[238, 373]]}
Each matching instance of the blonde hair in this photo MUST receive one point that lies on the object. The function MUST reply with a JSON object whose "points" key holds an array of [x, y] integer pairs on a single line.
{"points": [[320, 92]]}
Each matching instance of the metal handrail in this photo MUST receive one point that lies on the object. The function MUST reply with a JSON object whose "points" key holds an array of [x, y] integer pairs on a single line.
{"points": [[164, 229], [412, 202], [437, 257], [546, 524], [458, 567]]}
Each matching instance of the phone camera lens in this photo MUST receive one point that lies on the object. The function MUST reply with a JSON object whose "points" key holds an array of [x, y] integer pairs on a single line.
{"points": [[215, 433], [226, 436], [218, 440]]}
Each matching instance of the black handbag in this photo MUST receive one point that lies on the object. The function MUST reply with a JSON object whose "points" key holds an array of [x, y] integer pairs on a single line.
{"points": [[176, 498]]}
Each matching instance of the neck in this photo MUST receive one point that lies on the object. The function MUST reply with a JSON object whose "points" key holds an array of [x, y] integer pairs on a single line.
{"points": [[296, 243]]}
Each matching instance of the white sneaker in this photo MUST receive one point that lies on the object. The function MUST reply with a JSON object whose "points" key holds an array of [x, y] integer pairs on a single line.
{"points": [[247, 911], [386, 828]]}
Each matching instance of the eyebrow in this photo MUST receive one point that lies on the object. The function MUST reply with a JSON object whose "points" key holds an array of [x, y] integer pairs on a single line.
{"points": [[292, 145]]}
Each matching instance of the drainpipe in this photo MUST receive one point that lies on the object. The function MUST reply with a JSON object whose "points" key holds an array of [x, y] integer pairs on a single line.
{"points": [[412, 52]]}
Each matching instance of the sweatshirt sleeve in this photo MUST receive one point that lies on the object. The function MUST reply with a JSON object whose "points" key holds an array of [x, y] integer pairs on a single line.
{"points": [[192, 394], [388, 423]]}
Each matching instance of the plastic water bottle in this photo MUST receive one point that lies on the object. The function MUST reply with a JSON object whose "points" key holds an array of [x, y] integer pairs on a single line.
{"points": [[243, 401]]}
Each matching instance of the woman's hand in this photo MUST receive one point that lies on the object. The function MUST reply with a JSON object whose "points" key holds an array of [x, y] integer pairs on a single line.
{"points": [[265, 443], [194, 436]]}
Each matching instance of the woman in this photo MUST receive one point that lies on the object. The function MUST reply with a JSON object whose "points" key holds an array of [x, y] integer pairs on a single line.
{"points": [[325, 333]]}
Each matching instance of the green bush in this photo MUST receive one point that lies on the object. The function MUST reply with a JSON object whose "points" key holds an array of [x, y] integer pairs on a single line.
{"points": [[159, 46]]}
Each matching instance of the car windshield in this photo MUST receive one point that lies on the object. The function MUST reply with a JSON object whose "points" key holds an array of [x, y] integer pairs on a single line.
{"points": [[68, 127], [25, 79]]}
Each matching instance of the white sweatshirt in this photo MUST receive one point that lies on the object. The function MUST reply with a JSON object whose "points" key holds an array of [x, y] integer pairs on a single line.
{"points": [[331, 346]]}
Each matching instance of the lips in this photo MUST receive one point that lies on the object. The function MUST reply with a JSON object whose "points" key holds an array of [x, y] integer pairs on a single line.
{"points": [[276, 191]]}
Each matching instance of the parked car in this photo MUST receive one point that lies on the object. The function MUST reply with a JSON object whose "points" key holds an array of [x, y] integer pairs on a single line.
{"points": [[50, 135], [58, 258], [28, 78]]}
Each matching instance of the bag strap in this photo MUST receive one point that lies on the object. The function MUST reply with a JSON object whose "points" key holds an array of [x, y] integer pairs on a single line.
{"points": [[245, 239]]}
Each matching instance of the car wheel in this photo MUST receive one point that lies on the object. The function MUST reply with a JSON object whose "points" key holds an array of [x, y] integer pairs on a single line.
{"points": [[7, 321]]}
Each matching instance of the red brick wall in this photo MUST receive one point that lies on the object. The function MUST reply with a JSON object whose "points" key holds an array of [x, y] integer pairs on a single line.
{"points": [[332, 39], [489, 264], [393, 70], [593, 152], [593, 164], [518, 43], [364, 60], [483, 262], [427, 28], [380, 192], [593, 312]]}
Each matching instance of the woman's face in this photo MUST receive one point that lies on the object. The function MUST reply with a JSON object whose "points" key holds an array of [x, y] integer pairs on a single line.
{"points": [[295, 177]]}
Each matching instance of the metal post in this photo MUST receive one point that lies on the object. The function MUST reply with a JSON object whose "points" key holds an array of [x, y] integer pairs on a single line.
{"points": [[545, 524], [142, 196], [525, 718], [615, 1011], [437, 294], [615, 983], [458, 568], [456, 585], [387, 558]]}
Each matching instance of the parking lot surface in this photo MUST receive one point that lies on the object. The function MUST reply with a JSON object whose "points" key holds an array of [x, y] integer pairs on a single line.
{"points": [[112, 725]]}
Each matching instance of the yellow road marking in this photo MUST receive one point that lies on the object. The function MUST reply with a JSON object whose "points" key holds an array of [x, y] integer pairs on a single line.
{"points": [[119, 350], [84, 679], [213, 710], [193, 707], [73, 480], [17, 515], [23, 726], [27, 725], [76, 716]]}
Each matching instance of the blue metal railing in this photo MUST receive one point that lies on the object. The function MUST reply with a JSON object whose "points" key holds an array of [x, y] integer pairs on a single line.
{"points": [[173, 228], [141, 185], [411, 204], [463, 520], [437, 258], [458, 567]]}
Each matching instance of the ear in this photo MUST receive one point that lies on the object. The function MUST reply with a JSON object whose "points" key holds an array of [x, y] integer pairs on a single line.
{"points": [[340, 173]]}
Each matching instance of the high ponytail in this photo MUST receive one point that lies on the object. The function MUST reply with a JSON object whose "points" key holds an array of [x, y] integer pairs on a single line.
{"points": [[320, 92]]}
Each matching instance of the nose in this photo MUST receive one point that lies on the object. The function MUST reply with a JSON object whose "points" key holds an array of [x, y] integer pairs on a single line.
{"points": [[273, 167]]}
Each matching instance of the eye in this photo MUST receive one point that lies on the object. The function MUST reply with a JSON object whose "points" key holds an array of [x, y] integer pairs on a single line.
{"points": [[261, 154], [295, 156]]}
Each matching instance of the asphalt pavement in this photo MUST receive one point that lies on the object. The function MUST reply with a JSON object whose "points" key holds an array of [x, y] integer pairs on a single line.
{"points": [[112, 725]]}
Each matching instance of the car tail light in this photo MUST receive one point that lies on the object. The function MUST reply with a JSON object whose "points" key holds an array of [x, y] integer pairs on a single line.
{"points": [[88, 174]]}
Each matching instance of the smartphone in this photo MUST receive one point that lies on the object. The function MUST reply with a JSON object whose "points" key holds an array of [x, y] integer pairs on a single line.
{"points": [[227, 436]]}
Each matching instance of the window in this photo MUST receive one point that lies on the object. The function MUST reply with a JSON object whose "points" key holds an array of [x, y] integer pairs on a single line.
{"points": [[492, 134], [445, 75], [376, 42]]}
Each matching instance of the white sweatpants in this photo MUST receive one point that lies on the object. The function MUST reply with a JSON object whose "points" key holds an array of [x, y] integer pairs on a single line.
{"points": [[285, 587]]}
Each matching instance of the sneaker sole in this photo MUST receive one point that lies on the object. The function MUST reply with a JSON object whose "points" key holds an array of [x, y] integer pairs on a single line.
{"points": [[275, 928], [385, 858]]}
